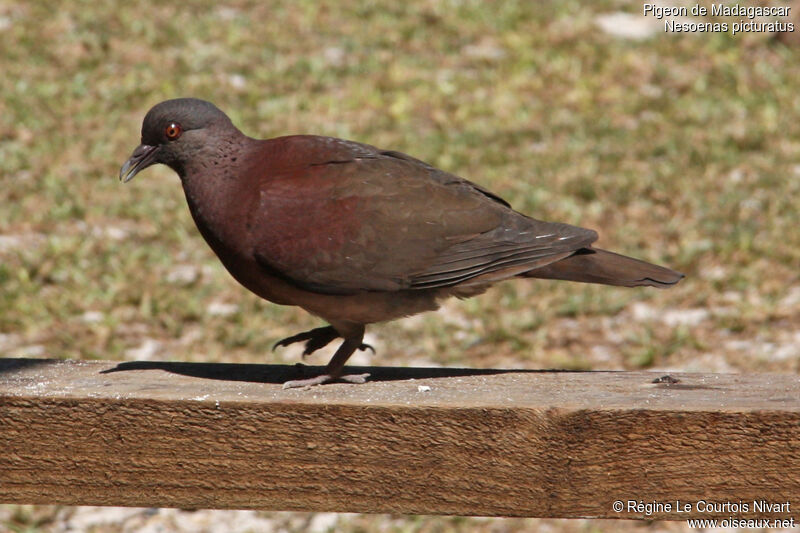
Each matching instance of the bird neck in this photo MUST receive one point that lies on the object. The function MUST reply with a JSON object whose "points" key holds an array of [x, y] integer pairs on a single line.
{"points": [[215, 187]]}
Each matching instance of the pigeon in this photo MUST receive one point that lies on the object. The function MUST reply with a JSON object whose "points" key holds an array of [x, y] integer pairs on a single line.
{"points": [[355, 234]]}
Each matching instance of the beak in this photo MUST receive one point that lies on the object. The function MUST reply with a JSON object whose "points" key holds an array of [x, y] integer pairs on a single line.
{"points": [[140, 159]]}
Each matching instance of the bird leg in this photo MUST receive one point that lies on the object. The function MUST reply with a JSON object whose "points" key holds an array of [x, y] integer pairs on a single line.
{"points": [[333, 372], [315, 339]]}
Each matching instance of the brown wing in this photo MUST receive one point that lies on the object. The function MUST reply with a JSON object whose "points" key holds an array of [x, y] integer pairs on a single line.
{"points": [[355, 218]]}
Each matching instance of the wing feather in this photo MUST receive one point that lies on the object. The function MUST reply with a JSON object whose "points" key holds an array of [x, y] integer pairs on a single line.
{"points": [[361, 219]]}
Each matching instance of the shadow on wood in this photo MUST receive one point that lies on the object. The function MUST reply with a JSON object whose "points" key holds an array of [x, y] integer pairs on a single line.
{"points": [[279, 374]]}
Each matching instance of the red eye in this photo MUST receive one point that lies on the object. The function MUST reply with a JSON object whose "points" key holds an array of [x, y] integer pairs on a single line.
{"points": [[173, 131]]}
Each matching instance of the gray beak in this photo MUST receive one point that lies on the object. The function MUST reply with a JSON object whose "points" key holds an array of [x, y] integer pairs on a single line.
{"points": [[140, 159]]}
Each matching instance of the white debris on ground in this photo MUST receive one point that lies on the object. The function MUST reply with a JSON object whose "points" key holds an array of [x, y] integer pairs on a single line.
{"points": [[628, 25], [791, 299], [486, 49], [423, 362], [115, 233], [152, 520], [145, 351], [23, 241], [32, 350], [601, 354], [783, 345], [183, 274], [92, 317], [334, 56], [140, 520], [8, 341], [322, 523], [87, 518], [237, 81], [221, 309], [707, 362], [671, 317]]}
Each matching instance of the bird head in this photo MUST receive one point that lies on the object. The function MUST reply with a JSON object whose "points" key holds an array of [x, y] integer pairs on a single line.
{"points": [[172, 132]]}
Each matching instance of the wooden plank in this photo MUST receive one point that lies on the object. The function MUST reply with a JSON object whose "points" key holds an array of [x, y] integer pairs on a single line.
{"points": [[491, 442]]}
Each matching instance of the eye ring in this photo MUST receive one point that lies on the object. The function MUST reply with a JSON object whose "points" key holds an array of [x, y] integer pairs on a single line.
{"points": [[173, 131]]}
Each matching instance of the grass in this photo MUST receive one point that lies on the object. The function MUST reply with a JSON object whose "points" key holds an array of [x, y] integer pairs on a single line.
{"points": [[679, 149]]}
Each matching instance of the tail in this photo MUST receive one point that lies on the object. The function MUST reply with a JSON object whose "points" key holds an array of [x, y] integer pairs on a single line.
{"points": [[592, 265]]}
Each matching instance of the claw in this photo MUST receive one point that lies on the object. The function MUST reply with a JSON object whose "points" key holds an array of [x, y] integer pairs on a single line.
{"points": [[285, 342], [319, 337], [315, 339]]}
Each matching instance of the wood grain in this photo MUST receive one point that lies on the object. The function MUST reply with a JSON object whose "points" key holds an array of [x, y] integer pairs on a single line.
{"points": [[491, 442]]}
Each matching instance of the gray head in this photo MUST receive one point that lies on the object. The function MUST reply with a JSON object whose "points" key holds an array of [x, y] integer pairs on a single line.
{"points": [[173, 131]]}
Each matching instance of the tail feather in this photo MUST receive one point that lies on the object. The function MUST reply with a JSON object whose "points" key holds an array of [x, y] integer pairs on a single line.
{"points": [[592, 265]]}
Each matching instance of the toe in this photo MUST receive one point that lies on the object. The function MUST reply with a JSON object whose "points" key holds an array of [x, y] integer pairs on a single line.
{"points": [[325, 378], [354, 378], [305, 383]]}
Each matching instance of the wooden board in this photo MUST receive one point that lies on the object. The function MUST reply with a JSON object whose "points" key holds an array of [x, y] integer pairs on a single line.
{"points": [[421, 441]]}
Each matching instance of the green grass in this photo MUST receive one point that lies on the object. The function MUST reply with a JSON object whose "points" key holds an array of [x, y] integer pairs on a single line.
{"points": [[680, 149]]}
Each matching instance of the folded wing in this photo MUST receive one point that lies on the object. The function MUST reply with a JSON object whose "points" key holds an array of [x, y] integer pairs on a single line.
{"points": [[361, 219]]}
